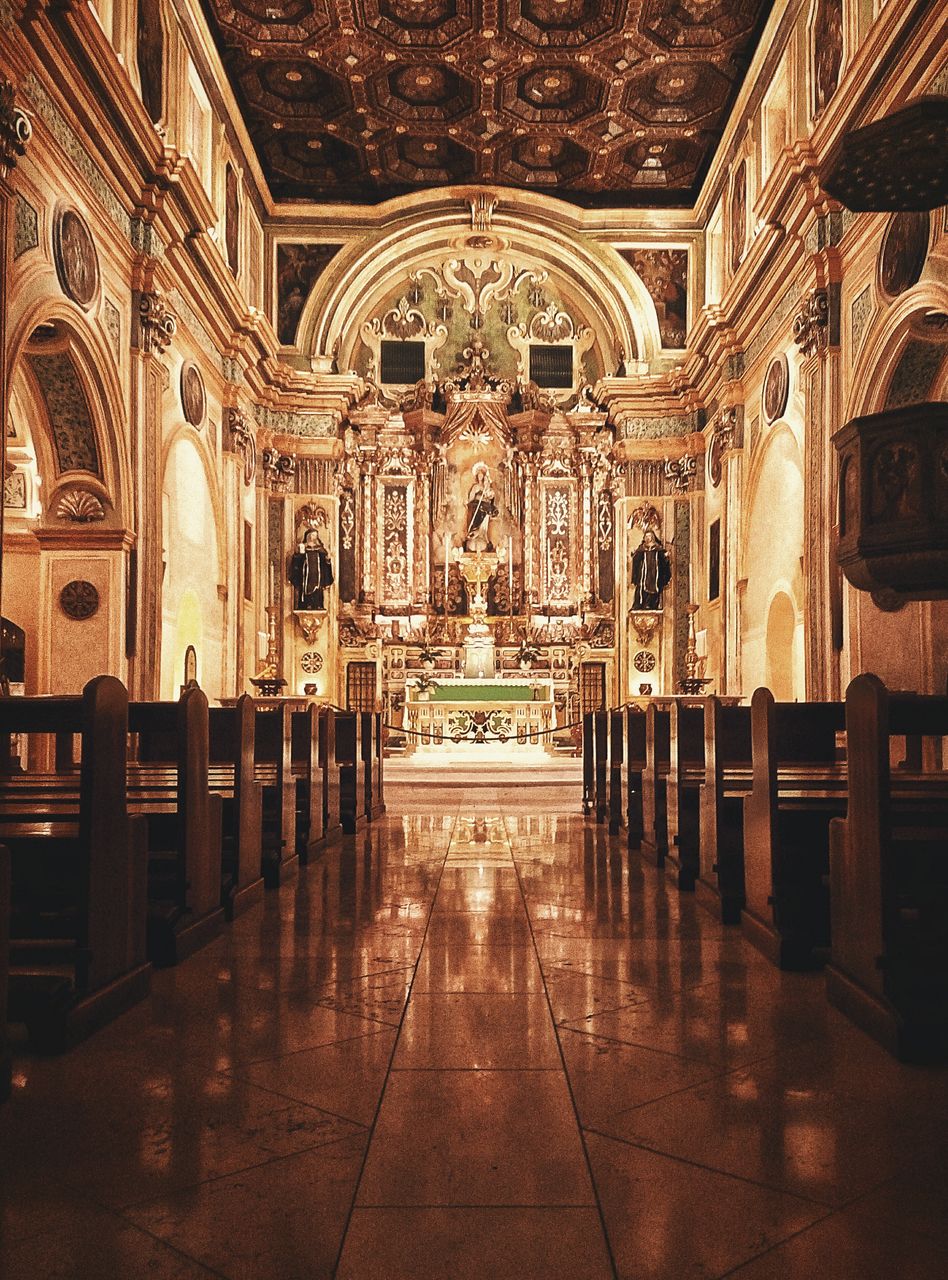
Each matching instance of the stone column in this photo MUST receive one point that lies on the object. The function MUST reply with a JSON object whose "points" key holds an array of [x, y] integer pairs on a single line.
{"points": [[152, 331], [15, 133], [816, 332]]}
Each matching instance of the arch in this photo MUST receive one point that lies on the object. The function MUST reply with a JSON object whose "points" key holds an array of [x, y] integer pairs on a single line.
{"points": [[192, 609], [91, 356], [200, 443], [420, 230], [885, 344], [781, 630], [772, 551]]}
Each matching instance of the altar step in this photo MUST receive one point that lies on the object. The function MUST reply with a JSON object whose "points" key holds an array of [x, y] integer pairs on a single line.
{"points": [[551, 772]]}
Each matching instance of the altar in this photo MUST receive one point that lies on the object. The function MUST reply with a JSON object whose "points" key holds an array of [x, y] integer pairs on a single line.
{"points": [[482, 718]]}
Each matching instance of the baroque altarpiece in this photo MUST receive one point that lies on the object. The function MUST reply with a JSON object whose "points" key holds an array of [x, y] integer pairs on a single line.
{"points": [[479, 505]]}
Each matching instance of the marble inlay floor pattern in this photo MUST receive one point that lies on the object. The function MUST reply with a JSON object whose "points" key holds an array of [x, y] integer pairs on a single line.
{"points": [[477, 1040]]}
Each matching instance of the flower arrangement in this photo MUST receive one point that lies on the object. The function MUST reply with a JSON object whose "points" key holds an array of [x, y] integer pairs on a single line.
{"points": [[427, 653], [425, 682], [529, 650]]}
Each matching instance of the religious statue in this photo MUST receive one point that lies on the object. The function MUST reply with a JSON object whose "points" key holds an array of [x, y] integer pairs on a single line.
{"points": [[481, 509], [651, 572], [310, 571]]}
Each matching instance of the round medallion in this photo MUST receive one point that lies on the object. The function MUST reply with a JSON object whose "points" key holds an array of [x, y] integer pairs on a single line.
{"points": [[79, 600], [311, 662], [904, 250], [644, 661], [776, 387], [77, 263], [193, 399]]}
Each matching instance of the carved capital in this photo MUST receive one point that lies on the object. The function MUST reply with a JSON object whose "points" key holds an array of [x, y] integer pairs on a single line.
{"points": [[15, 129], [241, 440], [682, 471], [811, 323], [156, 323], [278, 470]]}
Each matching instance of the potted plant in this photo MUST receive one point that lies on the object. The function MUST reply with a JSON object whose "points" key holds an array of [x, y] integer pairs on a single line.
{"points": [[527, 653], [423, 686], [427, 653]]}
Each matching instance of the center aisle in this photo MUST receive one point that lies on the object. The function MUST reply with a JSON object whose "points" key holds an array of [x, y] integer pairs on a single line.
{"points": [[476, 1165]]}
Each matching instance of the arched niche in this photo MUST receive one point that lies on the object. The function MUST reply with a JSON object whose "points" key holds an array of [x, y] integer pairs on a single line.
{"points": [[67, 445], [533, 234], [192, 604], [780, 637], [771, 554]]}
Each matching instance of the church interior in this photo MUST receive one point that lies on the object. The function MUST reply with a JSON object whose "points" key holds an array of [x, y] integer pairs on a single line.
{"points": [[474, 664]]}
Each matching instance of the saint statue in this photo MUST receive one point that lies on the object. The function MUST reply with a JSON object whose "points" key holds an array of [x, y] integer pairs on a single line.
{"points": [[481, 509], [310, 571], [651, 572]]}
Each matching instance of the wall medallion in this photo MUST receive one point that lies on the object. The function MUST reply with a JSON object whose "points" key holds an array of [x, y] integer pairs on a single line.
{"points": [[311, 662], [903, 254], [715, 458], [79, 600], [77, 263], [193, 398], [776, 388], [644, 661]]}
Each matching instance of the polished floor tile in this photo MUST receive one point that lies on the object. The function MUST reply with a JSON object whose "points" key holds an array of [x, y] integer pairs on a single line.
{"points": [[478, 1040], [473, 1244]]}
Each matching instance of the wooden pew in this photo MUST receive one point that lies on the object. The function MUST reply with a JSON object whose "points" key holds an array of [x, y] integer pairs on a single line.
{"points": [[634, 766], [329, 764], [654, 843], [798, 785], [78, 871], [273, 767], [589, 765], [618, 797], [4, 970], [372, 754], [308, 772], [231, 775], [728, 777], [351, 763], [888, 970], [686, 773], [168, 784]]}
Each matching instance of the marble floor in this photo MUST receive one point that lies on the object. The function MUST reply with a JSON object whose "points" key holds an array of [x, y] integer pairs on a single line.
{"points": [[476, 1042]]}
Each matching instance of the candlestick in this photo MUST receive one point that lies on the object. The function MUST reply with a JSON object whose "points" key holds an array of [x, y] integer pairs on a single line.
{"points": [[272, 597], [447, 569], [510, 577]]}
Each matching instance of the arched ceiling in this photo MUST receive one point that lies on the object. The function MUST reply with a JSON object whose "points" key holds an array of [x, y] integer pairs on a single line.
{"points": [[601, 102]]}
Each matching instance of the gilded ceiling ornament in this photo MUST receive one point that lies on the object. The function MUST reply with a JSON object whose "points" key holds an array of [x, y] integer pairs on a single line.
{"points": [[80, 506]]}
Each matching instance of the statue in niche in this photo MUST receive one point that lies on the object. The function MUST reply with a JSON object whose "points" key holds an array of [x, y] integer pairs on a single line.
{"points": [[310, 572], [481, 509], [651, 572]]}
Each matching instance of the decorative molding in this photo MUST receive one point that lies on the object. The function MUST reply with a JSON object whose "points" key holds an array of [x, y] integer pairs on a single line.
{"points": [[860, 315], [113, 323], [634, 427], [80, 506], [79, 600], [67, 138], [25, 227], [157, 325], [288, 422]]}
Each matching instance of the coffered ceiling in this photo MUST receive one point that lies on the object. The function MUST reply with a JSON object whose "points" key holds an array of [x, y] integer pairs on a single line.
{"points": [[602, 102]]}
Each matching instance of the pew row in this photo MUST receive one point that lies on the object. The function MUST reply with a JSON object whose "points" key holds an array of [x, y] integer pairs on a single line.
{"points": [[888, 967], [727, 780], [5, 1064], [168, 784], [231, 775], [798, 784], [78, 871]]}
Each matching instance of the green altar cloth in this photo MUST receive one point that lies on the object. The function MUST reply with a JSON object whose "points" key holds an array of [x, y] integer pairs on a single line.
{"points": [[482, 693]]}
